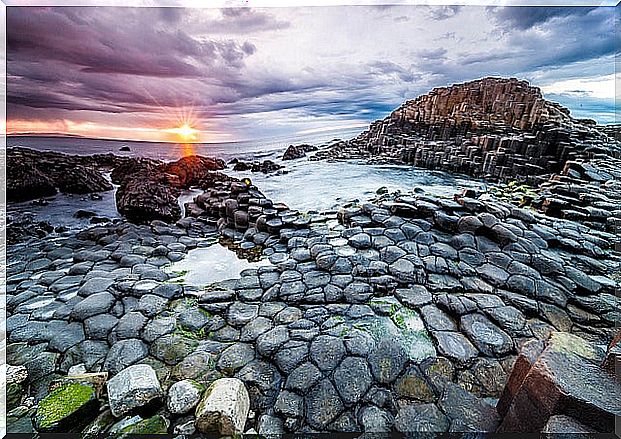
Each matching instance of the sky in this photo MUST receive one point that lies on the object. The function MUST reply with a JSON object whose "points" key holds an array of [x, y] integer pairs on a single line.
{"points": [[216, 75]]}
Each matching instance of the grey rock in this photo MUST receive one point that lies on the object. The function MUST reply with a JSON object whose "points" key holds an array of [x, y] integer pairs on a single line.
{"points": [[327, 352], [455, 346], [421, 418], [387, 360], [303, 377], [123, 354], [98, 327], [289, 404], [235, 357], [132, 388], [353, 379], [375, 420], [415, 296], [322, 405], [183, 396], [240, 314], [94, 304], [130, 325], [487, 337]]}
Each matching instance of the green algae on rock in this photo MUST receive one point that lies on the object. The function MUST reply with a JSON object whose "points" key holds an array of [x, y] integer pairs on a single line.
{"points": [[66, 409]]}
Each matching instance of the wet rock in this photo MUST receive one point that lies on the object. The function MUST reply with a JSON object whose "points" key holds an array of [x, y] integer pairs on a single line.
{"points": [[303, 377], [375, 420], [327, 352], [235, 357], [455, 346], [415, 296], [297, 151], [353, 379], [123, 354], [94, 304], [134, 387], [224, 408], [172, 348], [413, 385], [467, 412]]}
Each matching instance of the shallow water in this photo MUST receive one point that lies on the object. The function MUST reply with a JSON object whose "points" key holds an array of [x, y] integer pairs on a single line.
{"points": [[325, 185], [206, 265]]}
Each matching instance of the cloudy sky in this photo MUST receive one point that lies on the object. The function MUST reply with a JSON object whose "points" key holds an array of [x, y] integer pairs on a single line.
{"points": [[237, 74]]}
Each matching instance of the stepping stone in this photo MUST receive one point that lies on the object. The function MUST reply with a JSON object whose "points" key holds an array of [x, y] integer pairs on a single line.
{"points": [[455, 346], [487, 337], [322, 405], [353, 379], [387, 361]]}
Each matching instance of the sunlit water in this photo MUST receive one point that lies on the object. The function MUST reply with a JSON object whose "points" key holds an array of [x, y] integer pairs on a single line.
{"points": [[206, 265]]}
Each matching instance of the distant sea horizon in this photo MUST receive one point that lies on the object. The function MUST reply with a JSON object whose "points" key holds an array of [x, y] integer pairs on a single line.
{"points": [[243, 149]]}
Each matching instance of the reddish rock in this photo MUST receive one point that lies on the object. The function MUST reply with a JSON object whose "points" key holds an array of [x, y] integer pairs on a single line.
{"points": [[564, 379]]}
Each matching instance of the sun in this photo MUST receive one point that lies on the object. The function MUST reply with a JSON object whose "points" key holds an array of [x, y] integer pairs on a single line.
{"points": [[185, 132]]}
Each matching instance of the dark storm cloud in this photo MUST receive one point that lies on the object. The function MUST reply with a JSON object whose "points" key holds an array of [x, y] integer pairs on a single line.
{"points": [[134, 45], [101, 59]]}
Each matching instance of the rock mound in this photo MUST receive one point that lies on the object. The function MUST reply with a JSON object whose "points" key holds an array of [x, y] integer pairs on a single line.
{"points": [[493, 127], [298, 151]]}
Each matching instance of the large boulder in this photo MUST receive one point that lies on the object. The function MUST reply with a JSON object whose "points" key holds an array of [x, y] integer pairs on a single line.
{"points": [[191, 170], [224, 408], [143, 199], [132, 388], [149, 191]]}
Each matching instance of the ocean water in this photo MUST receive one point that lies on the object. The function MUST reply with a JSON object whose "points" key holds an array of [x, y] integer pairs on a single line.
{"points": [[308, 185]]}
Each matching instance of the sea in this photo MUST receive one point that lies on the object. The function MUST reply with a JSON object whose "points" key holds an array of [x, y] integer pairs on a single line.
{"points": [[307, 186]]}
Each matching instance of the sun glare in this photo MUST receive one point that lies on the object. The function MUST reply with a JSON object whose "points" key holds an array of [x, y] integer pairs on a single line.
{"points": [[185, 133]]}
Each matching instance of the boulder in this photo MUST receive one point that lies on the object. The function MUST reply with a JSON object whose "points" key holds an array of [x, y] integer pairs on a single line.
{"points": [[224, 408], [183, 396], [298, 151], [133, 388], [67, 409]]}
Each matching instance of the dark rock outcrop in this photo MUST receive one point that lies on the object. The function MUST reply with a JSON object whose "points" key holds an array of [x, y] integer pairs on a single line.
{"points": [[149, 190], [266, 166], [26, 182], [298, 151], [33, 174]]}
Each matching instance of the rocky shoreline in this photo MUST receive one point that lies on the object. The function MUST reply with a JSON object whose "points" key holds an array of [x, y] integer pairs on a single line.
{"points": [[403, 313]]}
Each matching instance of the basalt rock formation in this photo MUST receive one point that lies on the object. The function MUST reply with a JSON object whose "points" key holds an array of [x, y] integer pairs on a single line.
{"points": [[492, 127]]}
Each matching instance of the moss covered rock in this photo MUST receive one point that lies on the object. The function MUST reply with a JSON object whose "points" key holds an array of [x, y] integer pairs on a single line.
{"points": [[68, 408], [154, 425]]}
